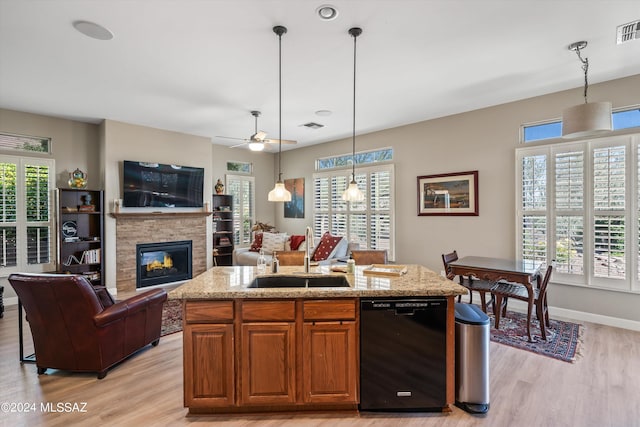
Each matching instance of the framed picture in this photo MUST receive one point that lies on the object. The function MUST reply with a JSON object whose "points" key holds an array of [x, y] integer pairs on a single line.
{"points": [[448, 194], [294, 208]]}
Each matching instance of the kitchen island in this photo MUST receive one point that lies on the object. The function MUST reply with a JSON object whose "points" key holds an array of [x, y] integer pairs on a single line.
{"points": [[257, 349]]}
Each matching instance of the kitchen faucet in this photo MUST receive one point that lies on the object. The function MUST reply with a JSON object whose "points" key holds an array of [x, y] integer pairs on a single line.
{"points": [[308, 237]]}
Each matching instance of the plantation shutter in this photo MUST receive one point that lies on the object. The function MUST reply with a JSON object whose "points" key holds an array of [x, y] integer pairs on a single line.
{"points": [[368, 223], [609, 204], [534, 203], [8, 202], [242, 190], [569, 204], [26, 222]]}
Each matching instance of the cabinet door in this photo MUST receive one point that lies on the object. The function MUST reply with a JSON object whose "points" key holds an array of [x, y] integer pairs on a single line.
{"points": [[330, 368], [208, 365], [267, 375]]}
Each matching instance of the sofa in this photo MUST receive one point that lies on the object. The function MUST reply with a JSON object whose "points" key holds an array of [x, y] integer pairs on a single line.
{"points": [[329, 250]]}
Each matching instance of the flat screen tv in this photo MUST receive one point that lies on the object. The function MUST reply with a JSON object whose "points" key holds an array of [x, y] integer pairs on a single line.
{"points": [[158, 185]]}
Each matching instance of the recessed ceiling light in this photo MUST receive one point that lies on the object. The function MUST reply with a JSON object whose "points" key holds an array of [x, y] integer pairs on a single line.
{"points": [[326, 12], [323, 113], [93, 30]]}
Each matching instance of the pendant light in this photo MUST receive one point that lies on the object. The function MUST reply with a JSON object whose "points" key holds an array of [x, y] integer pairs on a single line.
{"points": [[279, 192], [589, 118], [353, 193]]}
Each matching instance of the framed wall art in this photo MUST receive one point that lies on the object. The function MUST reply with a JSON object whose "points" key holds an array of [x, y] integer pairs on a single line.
{"points": [[448, 194], [294, 208]]}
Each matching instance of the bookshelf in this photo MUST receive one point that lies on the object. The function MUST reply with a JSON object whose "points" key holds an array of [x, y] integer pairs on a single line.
{"points": [[80, 231], [222, 229]]}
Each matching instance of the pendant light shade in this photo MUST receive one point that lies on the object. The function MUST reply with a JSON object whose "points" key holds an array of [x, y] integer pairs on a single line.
{"points": [[586, 119], [353, 193], [279, 192]]}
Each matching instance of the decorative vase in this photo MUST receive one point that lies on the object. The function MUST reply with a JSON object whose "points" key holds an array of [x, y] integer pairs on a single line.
{"points": [[219, 187], [77, 179]]}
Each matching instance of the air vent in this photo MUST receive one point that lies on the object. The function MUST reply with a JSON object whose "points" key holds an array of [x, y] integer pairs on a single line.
{"points": [[627, 32], [313, 125]]}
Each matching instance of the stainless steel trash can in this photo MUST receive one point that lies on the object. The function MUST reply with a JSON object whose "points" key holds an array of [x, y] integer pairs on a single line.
{"points": [[472, 358]]}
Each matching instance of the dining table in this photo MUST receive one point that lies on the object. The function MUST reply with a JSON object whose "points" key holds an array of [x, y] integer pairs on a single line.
{"points": [[524, 272]]}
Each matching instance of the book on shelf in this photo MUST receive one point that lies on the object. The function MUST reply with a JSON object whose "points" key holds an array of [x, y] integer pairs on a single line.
{"points": [[224, 241]]}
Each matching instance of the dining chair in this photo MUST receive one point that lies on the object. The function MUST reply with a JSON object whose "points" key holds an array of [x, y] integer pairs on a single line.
{"points": [[365, 257], [291, 257], [469, 282], [519, 291]]}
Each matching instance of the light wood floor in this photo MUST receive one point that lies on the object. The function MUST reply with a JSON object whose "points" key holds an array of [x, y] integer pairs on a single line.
{"points": [[601, 389]]}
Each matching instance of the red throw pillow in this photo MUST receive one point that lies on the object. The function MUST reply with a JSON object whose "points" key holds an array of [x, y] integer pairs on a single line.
{"points": [[326, 246], [296, 241], [256, 245]]}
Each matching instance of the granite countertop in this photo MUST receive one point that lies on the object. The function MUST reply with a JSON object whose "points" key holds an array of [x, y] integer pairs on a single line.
{"points": [[232, 282]]}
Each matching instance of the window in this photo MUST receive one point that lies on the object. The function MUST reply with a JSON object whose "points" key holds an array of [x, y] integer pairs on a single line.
{"points": [[361, 158], [622, 119], [575, 206], [369, 223], [240, 167], [25, 214], [25, 143], [242, 189]]}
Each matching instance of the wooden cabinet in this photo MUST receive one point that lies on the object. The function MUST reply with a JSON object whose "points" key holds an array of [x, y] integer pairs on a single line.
{"points": [[268, 353], [208, 340], [80, 231], [223, 232], [329, 351], [290, 354]]}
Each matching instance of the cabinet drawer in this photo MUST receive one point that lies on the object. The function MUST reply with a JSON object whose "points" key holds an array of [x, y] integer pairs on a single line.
{"points": [[330, 310], [269, 310], [209, 311]]}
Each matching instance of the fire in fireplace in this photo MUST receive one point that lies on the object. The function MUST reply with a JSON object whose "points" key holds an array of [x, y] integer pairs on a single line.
{"points": [[163, 262]]}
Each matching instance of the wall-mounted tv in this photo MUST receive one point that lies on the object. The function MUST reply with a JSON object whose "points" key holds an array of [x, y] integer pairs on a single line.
{"points": [[158, 185]]}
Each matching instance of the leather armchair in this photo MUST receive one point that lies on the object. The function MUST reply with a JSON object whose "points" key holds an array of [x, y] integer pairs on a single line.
{"points": [[74, 329]]}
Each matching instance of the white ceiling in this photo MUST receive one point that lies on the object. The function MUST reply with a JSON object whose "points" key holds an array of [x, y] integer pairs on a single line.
{"points": [[200, 67]]}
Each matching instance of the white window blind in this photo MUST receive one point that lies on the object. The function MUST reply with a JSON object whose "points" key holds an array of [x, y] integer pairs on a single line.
{"points": [[578, 214], [26, 221], [368, 223], [242, 189], [533, 226], [569, 209]]}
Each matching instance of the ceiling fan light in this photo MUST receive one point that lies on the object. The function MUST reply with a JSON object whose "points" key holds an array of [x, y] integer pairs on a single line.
{"points": [[256, 146], [279, 193], [353, 193], [586, 119]]}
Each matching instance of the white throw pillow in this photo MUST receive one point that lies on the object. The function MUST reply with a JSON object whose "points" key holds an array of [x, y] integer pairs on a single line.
{"points": [[273, 242]]}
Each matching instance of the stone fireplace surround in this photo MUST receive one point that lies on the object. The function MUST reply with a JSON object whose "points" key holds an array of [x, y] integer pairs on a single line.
{"points": [[138, 228]]}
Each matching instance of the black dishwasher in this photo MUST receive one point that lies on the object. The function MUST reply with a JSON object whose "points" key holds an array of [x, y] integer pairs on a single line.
{"points": [[403, 354]]}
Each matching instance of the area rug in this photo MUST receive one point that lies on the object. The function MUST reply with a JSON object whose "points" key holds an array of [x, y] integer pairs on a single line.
{"points": [[171, 317], [564, 339]]}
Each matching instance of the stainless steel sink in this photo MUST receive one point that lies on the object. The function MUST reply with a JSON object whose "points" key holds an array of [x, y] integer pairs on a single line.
{"points": [[328, 281]]}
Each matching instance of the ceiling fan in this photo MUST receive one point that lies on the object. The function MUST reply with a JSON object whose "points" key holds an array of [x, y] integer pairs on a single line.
{"points": [[258, 141]]}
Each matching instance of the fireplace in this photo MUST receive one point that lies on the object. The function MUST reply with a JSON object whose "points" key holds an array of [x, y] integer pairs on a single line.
{"points": [[164, 262]]}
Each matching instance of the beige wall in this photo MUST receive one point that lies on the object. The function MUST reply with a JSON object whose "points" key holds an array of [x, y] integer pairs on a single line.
{"points": [[483, 140]]}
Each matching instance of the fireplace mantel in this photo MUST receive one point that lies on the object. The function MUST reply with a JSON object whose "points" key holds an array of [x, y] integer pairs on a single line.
{"points": [[143, 215]]}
